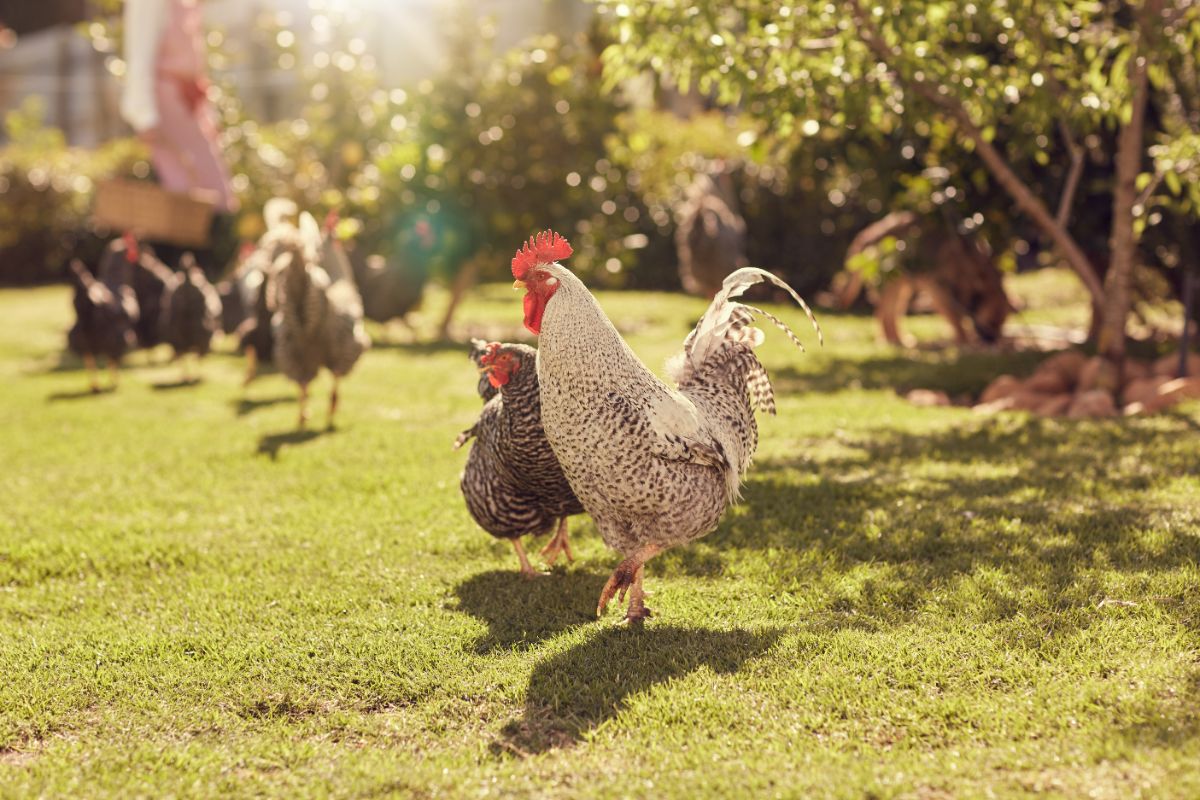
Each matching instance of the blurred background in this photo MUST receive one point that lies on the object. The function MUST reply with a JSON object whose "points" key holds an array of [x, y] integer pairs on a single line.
{"points": [[772, 133]]}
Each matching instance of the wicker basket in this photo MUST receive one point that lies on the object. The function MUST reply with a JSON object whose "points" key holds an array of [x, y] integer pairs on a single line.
{"points": [[153, 213]]}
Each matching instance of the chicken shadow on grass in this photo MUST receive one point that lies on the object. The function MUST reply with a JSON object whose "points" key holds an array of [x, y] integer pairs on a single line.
{"points": [[574, 692], [244, 406], [79, 394], [180, 383], [523, 612], [271, 444]]}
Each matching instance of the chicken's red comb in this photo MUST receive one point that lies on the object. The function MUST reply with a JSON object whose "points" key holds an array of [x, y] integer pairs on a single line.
{"points": [[131, 247], [490, 352], [545, 248], [246, 250]]}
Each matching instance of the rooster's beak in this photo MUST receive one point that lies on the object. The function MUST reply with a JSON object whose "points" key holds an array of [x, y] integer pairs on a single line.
{"points": [[518, 284]]}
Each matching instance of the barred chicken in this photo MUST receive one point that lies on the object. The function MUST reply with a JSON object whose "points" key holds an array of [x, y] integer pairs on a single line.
{"points": [[191, 313], [655, 466], [317, 321], [512, 483], [104, 322]]}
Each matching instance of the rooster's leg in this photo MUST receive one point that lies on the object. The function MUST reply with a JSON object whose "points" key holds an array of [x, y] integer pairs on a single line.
{"points": [[333, 403], [251, 365], [637, 600], [303, 406], [559, 543], [114, 371], [627, 576], [89, 363], [527, 570]]}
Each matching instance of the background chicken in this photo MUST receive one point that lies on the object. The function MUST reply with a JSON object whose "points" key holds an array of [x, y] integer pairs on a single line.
{"points": [[191, 313], [654, 466], [318, 322], [512, 483], [127, 261], [710, 235], [104, 320]]}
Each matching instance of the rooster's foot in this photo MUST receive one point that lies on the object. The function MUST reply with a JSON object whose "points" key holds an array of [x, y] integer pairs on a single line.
{"points": [[622, 578]]}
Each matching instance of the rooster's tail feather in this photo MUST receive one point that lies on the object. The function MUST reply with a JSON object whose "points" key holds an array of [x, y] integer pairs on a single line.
{"points": [[726, 321]]}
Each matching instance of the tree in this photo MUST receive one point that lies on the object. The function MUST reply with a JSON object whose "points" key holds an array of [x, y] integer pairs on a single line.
{"points": [[1000, 77]]}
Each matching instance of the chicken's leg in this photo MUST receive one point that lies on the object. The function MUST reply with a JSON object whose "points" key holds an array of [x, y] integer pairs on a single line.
{"points": [[89, 363], [303, 406], [114, 372], [527, 570], [559, 543], [627, 577], [333, 403], [251, 365]]}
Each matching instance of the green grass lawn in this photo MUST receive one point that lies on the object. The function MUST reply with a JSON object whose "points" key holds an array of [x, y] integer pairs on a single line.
{"points": [[919, 603]]}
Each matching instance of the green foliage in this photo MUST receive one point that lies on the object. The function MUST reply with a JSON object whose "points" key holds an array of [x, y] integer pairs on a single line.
{"points": [[46, 191], [197, 601]]}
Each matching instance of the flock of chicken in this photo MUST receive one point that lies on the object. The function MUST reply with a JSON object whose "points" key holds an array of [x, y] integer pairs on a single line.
{"points": [[577, 425], [292, 300]]}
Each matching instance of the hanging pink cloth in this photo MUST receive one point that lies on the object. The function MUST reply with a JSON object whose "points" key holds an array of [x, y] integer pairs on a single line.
{"points": [[166, 96]]}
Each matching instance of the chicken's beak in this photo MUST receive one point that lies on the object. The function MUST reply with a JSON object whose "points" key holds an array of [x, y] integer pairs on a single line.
{"points": [[518, 284]]}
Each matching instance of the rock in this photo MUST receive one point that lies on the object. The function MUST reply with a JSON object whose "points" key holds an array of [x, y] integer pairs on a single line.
{"points": [[1026, 400], [1142, 390], [1168, 365], [1065, 364], [1134, 370], [1003, 386], [1172, 392], [1093, 403], [1048, 381], [994, 406], [1055, 405], [1098, 373], [927, 398]]}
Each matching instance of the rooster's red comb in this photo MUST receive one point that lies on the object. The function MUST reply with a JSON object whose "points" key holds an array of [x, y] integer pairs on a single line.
{"points": [[490, 352], [131, 247], [545, 248]]}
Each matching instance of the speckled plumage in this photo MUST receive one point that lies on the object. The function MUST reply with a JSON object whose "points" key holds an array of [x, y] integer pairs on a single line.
{"points": [[512, 482], [317, 322], [656, 467]]}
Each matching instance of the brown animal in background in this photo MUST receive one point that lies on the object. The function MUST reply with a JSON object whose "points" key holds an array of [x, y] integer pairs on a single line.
{"points": [[954, 271], [710, 239]]}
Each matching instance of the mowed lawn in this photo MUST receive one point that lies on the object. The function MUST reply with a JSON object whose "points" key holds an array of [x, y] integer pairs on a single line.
{"points": [[924, 603]]}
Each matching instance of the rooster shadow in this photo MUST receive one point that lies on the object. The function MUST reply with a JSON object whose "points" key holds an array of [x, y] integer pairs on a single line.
{"points": [[520, 612], [244, 406], [574, 692]]}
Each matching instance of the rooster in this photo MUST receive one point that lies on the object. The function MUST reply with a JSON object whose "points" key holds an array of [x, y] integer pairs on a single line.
{"points": [[710, 238], [104, 322], [655, 466], [318, 320], [191, 313], [512, 483]]}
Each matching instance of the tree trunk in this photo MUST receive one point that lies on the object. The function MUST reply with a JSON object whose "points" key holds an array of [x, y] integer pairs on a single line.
{"points": [[1123, 243]]}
